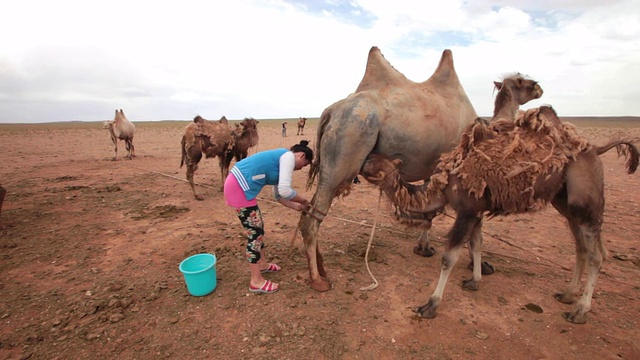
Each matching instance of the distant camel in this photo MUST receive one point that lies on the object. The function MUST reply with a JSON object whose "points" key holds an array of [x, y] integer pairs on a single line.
{"points": [[301, 123], [216, 138], [512, 167], [120, 128]]}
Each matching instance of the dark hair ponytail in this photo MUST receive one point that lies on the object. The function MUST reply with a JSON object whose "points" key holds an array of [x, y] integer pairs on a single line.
{"points": [[303, 147]]}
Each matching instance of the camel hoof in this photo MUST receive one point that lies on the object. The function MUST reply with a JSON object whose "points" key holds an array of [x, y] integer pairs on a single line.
{"points": [[485, 268], [321, 286], [470, 285], [564, 298], [427, 311], [426, 251], [575, 318]]}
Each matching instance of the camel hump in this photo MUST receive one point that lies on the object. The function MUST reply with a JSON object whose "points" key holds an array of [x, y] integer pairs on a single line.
{"points": [[224, 120], [379, 72], [445, 72]]}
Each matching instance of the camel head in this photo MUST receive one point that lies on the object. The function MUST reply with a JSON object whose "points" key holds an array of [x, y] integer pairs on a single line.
{"points": [[521, 88]]}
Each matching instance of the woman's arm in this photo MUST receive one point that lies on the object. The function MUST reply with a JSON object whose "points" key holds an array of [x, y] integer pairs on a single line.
{"points": [[284, 190]]}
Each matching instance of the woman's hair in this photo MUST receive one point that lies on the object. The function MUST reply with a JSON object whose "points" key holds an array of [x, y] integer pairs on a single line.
{"points": [[302, 147]]}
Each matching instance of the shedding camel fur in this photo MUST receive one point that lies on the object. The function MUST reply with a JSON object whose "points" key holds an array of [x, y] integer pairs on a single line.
{"points": [[216, 138], [513, 167], [120, 128]]}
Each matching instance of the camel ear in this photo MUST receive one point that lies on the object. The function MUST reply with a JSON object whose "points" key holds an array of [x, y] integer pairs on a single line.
{"points": [[498, 85], [396, 163]]}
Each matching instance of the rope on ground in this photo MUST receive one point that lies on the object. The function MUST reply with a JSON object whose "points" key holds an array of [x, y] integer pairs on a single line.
{"points": [[404, 233], [366, 254]]}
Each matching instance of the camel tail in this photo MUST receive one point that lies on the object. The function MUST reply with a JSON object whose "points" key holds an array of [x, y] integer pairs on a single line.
{"points": [[626, 148], [315, 166], [184, 152]]}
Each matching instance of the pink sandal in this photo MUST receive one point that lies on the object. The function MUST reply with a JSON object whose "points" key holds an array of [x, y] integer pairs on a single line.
{"points": [[272, 268], [267, 288]]}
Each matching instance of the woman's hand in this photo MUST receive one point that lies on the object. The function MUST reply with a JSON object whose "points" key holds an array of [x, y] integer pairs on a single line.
{"points": [[291, 204]]}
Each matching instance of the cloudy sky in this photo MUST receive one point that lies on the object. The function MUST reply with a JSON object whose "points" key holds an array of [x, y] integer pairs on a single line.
{"points": [[68, 60]]}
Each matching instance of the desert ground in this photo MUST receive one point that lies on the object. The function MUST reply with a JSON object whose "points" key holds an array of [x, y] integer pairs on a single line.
{"points": [[90, 252]]}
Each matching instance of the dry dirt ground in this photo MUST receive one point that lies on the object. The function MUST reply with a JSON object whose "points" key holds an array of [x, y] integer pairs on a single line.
{"points": [[90, 251]]}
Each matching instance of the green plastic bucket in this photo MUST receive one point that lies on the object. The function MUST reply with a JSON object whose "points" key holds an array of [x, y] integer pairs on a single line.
{"points": [[199, 273]]}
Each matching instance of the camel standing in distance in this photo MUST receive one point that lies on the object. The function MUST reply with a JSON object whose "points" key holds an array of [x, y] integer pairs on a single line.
{"points": [[301, 123], [120, 128], [387, 114], [216, 138]]}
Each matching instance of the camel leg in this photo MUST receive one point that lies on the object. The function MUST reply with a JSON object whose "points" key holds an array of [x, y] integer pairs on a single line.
{"points": [[309, 228], [340, 162], [115, 149], [464, 226], [475, 251], [582, 204], [224, 161], [192, 166], [129, 147], [588, 245], [424, 247]]}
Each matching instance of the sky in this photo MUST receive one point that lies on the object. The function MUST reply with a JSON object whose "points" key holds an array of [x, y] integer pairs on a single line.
{"points": [[69, 60]]}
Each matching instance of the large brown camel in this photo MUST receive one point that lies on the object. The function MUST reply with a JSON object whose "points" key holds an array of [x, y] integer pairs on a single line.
{"points": [[301, 123], [216, 138], [387, 114], [120, 128], [512, 167]]}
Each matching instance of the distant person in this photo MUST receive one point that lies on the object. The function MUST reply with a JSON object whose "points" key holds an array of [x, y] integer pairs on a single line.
{"points": [[243, 184], [284, 129]]}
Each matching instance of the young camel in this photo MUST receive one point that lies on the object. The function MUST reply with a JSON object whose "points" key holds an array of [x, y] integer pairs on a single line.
{"points": [[514, 90], [120, 128], [511, 167]]}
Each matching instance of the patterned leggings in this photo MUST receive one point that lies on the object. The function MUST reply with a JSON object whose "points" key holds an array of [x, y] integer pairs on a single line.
{"points": [[251, 219]]}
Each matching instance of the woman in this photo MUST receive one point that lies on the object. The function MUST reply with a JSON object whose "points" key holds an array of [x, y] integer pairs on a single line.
{"points": [[245, 181]]}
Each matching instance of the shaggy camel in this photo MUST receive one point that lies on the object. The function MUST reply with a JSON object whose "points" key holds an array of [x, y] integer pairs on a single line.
{"points": [[512, 167], [216, 138], [514, 90], [301, 123], [388, 114], [120, 128]]}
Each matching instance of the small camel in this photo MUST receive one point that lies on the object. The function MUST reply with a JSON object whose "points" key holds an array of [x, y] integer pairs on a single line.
{"points": [[301, 123], [514, 90], [387, 114], [216, 138], [120, 128], [512, 167]]}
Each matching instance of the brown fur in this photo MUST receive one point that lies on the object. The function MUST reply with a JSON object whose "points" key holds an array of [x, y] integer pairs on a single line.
{"points": [[216, 138], [120, 128], [539, 161]]}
